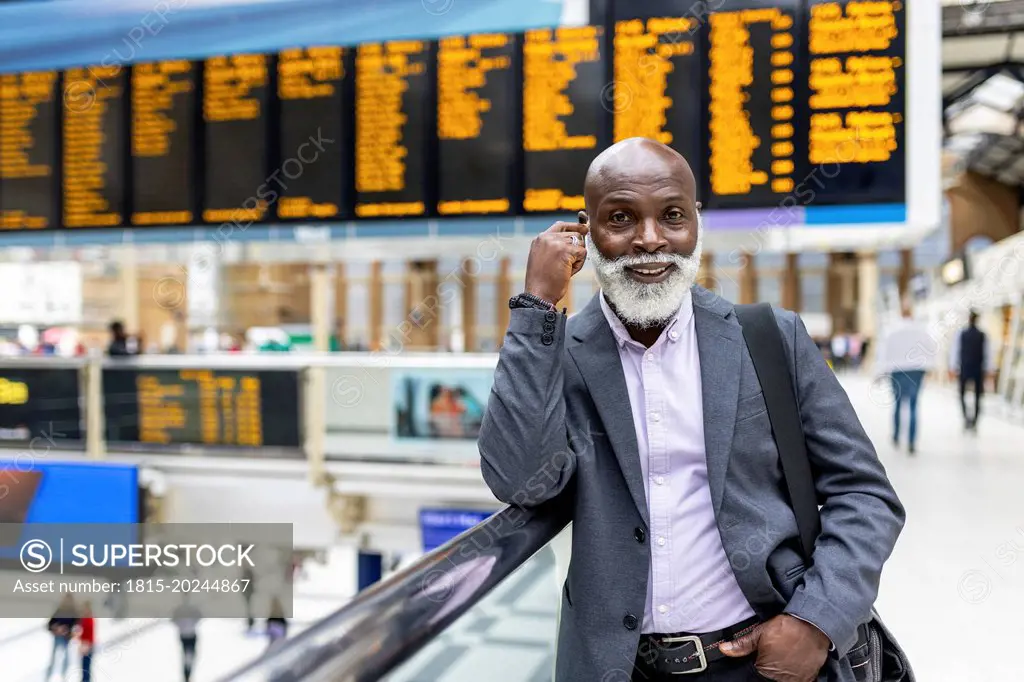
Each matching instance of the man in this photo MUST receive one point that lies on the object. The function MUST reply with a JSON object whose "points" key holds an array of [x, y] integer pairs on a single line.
{"points": [[644, 414], [187, 618], [87, 640], [119, 341], [907, 352], [970, 361]]}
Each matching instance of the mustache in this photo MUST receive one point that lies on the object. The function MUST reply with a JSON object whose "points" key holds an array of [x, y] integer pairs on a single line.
{"points": [[623, 262]]}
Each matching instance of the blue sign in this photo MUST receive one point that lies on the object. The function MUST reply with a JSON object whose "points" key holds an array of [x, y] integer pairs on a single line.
{"points": [[438, 526]]}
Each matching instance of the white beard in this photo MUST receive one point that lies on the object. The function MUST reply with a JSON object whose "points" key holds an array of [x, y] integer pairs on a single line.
{"points": [[640, 304]]}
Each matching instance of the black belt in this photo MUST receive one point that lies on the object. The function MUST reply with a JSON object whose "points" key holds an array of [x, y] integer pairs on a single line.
{"points": [[685, 653]]}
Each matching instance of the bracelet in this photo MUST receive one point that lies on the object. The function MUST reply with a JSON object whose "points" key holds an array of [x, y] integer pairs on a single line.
{"points": [[525, 300]]}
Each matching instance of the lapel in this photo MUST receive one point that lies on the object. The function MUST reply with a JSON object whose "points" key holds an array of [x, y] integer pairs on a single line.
{"points": [[720, 349], [597, 357]]}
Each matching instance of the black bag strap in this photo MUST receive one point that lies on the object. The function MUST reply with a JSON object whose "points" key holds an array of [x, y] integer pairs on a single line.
{"points": [[768, 352]]}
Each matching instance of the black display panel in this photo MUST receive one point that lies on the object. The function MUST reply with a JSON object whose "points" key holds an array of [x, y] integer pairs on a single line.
{"points": [[238, 187], [94, 146], [857, 101], [564, 115], [477, 124], [657, 76], [314, 105], [29, 131], [753, 78], [394, 127], [39, 403], [202, 407], [163, 140]]}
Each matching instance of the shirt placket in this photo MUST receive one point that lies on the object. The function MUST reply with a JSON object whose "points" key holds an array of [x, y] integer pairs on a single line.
{"points": [[658, 470]]}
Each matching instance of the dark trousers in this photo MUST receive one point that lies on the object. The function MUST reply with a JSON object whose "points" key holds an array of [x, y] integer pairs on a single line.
{"points": [[188, 655], [731, 670], [87, 667], [906, 386], [977, 381]]}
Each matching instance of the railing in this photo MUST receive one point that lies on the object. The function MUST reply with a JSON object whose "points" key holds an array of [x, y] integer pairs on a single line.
{"points": [[385, 625]]}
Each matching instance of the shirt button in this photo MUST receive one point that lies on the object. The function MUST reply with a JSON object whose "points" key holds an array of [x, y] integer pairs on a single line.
{"points": [[630, 621], [662, 609], [656, 416], [661, 542], [660, 480], [673, 335]]}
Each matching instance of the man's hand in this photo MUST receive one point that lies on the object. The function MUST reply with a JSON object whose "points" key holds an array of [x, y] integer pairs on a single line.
{"points": [[554, 260], [788, 649]]}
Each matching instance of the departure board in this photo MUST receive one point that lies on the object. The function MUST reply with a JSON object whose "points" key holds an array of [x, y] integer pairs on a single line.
{"points": [[163, 138], [752, 67], [393, 127], [564, 118], [236, 90], [39, 403], [313, 121], [856, 76], [94, 146], [28, 150], [657, 76], [202, 407], [476, 124]]}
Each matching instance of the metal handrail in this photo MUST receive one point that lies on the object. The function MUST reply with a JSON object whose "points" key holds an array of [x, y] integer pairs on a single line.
{"points": [[385, 625]]}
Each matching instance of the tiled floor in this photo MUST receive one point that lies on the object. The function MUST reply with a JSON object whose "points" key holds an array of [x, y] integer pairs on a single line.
{"points": [[953, 592]]}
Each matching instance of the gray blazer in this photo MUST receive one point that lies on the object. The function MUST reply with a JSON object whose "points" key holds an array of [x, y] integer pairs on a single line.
{"points": [[558, 424]]}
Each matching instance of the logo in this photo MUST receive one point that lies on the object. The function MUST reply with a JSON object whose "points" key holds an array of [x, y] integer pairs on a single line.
{"points": [[36, 556]]}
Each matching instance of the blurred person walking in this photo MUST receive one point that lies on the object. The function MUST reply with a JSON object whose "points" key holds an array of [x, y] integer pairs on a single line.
{"points": [[62, 626], [905, 354], [277, 623], [119, 341], [86, 640], [970, 361], [186, 617]]}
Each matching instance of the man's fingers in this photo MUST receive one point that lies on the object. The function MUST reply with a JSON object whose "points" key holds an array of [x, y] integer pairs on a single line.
{"points": [[562, 226], [743, 646]]}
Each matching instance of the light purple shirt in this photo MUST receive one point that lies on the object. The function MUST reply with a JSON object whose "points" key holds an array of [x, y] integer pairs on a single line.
{"points": [[690, 586]]}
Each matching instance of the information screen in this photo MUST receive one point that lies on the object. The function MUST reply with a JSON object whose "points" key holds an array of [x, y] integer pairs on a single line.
{"points": [[235, 96], [856, 86], [476, 124], [313, 118], [564, 116], [657, 68], [752, 72], [28, 150], [94, 143], [163, 137], [393, 126], [202, 407], [39, 403]]}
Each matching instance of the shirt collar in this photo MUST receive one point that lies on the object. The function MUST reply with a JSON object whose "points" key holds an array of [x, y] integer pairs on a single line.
{"points": [[678, 321]]}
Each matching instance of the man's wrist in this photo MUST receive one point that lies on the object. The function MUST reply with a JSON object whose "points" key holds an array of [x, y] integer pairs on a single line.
{"points": [[831, 644]]}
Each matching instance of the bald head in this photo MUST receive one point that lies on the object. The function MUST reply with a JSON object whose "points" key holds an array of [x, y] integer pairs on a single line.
{"points": [[634, 161]]}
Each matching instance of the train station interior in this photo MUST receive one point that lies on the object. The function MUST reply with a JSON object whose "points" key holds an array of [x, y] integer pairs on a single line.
{"points": [[257, 260]]}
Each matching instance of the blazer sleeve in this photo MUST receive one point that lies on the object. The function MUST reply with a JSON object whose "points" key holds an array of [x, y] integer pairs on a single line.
{"points": [[525, 454], [861, 516]]}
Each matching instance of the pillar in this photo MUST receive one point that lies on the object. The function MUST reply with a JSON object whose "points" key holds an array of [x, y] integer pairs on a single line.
{"points": [[129, 280], [841, 292], [748, 279], [792, 292], [340, 305], [981, 207], [321, 308], [470, 342], [504, 288], [422, 306], [376, 287], [706, 275], [868, 280], [906, 273]]}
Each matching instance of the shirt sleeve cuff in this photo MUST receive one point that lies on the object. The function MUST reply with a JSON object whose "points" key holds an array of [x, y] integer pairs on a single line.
{"points": [[831, 644]]}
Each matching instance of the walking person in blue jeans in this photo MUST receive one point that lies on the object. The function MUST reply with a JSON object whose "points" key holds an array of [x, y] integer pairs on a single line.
{"points": [[907, 352], [62, 626]]}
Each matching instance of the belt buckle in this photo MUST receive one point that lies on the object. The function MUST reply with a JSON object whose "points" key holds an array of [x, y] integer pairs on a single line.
{"points": [[698, 649]]}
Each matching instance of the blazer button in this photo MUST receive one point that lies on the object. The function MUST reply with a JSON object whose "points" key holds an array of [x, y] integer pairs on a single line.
{"points": [[549, 327], [630, 621], [547, 339], [550, 316], [638, 534]]}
